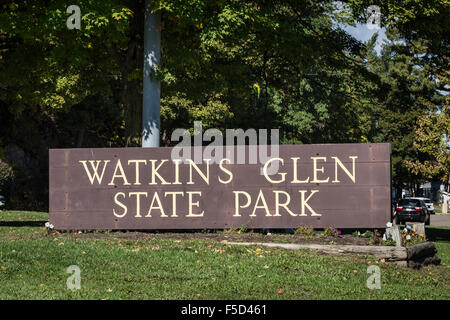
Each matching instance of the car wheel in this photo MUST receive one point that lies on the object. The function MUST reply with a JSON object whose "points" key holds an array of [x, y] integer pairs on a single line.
{"points": [[397, 220], [427, 220]]}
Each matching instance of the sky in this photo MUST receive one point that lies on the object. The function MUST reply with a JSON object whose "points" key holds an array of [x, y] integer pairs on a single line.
{"points": [[362, 33]]}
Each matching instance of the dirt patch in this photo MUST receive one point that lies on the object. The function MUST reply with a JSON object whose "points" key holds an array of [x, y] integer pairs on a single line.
{"points": [[228, 236]]}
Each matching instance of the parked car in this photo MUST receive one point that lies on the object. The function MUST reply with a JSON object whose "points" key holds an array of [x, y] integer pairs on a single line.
{"points": [[428, 202], [409, 209]]}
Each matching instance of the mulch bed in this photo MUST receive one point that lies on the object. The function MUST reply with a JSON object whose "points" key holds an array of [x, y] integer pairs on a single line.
{"points": [[225, 236]]}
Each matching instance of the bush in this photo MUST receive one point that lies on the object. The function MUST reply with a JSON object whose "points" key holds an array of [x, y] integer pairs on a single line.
{"points": [[410, 236], [23, 190], [6, 179], [331, 232], [305, 231], [366, 234]]}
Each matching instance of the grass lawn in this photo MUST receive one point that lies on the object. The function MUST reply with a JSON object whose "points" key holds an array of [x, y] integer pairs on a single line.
{"points": [[33, 265]]}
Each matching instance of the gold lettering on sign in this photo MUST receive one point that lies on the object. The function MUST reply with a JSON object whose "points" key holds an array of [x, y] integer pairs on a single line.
{"points": [[321, 169], [174, 201], [125, 209], [159, 207], [95, 174], [264, 205], [230, 174], [283, 175], [137, 163], [155, 172], [121, 175], [281, 202], [338, 162], [304, 203], [284, 205], [138, 202], [177, 171], [236, 201], [295, 180], [191, 204], [202, 175]]}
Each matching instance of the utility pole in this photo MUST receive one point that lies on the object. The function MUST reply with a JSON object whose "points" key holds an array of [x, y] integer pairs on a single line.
{"points": [[151, 86]]}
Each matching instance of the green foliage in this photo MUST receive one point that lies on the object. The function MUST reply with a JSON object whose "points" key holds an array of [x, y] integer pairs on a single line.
{"points": [[6, 178], [242, 55], [406, 82], [414, 20], [365, 234], [410, 236], [389, 241], [67, 65], [231, 64], [33, 266], [432, 138], [243, 229], [330, 232], [305, 231]]}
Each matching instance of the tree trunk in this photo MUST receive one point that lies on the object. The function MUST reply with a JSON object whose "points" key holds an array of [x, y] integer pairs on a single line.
{"points": [[130, 61], [80, 137], [426, 249]]}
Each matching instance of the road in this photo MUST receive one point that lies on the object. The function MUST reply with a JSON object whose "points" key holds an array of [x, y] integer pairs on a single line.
{"points": [[440, 220]]}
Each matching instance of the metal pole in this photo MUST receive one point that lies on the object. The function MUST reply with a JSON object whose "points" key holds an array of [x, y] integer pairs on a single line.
{"points": [[151, 86]]}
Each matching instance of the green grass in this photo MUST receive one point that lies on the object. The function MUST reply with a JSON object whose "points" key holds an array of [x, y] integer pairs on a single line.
{"points": [[33, 266]]}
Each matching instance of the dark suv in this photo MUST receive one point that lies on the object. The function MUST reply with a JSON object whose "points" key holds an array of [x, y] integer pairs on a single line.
{"points": [[411, 210]]}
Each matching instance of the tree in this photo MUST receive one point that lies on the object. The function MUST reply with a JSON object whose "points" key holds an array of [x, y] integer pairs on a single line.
{"points": [[407, 81], [232, 64], [262, 64], [50, 77], [432, 138], [414, 20]]}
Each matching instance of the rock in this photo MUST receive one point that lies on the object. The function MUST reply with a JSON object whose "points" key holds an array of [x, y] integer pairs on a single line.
{"points": [[424, 261], [426, 249], [420, 227], [402, 263], [422, 254], [394, 233]]}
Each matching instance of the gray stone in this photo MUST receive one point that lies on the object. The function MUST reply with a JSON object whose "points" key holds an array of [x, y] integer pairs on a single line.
{"points": [[394, 234], [402, 263], [420, 227]]}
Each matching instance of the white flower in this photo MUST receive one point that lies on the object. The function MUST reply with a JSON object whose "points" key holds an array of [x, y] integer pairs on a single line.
{"points": [[49, 225], [408, 237], [389, 224], [405, 230]]}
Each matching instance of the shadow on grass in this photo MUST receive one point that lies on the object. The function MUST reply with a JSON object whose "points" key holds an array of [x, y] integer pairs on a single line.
{"points": [[22, 223], [438, 234]]}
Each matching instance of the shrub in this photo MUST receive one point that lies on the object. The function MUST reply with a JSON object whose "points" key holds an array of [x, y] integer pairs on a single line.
{"points": [[389, 241], [331, 232], [411, 237], [243, 229], [6, 178], [305, 231], [366, 234]]}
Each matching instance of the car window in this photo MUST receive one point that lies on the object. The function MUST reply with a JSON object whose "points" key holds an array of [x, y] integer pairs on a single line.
{"points": [[409, 202], [428, 201]]}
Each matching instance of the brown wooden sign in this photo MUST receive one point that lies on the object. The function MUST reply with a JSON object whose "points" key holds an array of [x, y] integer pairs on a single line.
{"points": [[340, 185]]}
